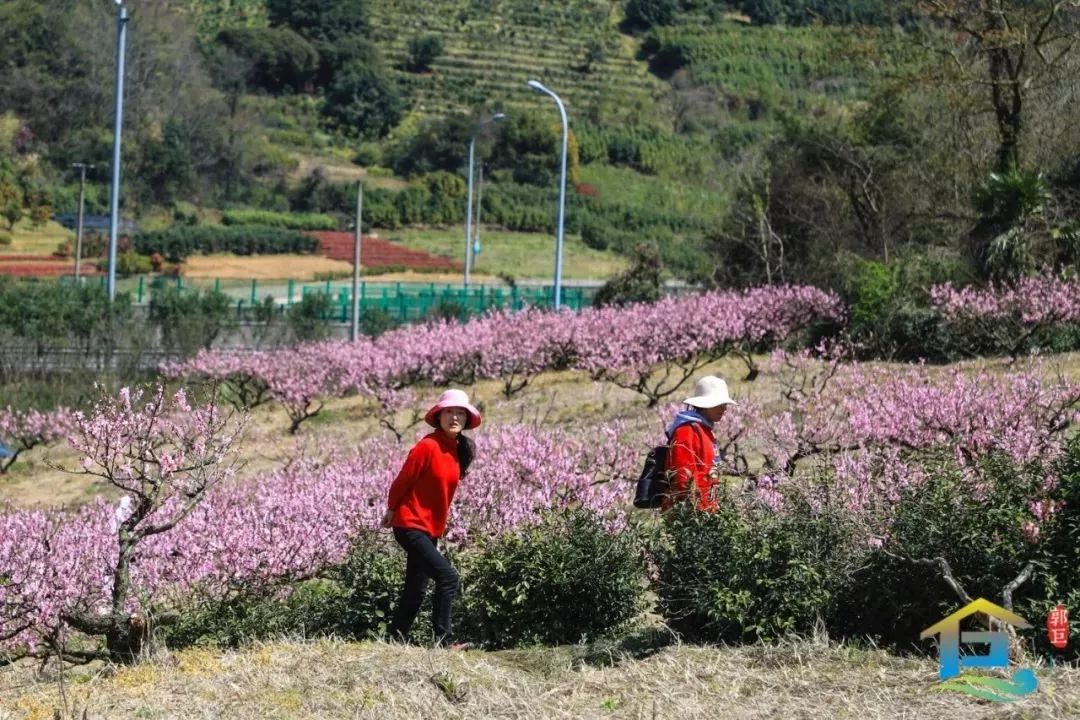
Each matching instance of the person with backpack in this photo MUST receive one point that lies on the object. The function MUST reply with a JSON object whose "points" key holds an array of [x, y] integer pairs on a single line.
{"points": [[692, 445], [417, 507]]}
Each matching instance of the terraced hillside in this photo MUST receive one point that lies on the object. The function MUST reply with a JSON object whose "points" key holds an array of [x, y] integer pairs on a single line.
{"points": [[491, 49]]}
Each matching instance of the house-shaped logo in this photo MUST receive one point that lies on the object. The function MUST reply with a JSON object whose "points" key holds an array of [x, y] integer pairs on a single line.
{"points": [[951, 661]]}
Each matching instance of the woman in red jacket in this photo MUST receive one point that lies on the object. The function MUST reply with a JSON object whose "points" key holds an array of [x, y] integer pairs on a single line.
{"points": [[692, 445], [417, 506]]}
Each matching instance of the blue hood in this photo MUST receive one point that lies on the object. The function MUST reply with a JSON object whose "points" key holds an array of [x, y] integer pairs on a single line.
{"points": [[685, 417]]}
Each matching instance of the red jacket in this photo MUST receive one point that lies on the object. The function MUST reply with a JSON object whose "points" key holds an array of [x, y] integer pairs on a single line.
{"points": [[690, 459], [421, 493]]}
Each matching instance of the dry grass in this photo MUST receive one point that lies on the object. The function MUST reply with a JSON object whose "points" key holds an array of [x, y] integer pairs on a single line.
{"points": [[332, 679], [39, 241], [261, 267], [338, 170]]}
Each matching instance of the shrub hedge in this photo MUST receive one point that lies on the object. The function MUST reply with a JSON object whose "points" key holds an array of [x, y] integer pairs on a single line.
{"points": [[177, 243], [289, 221]]}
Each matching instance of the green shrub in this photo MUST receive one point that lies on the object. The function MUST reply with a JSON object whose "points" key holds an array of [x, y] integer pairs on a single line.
{"points": [[306, 609], [871, 290], [370, 578], [5, 238], [184, 213], [324, 275], [975, 523], [178, 242], [290, 221], [188, 319], [562, 580], [54, 312], [747, 573], [447, 310], [375, 321], [363, 99], [367, 155], [890, 312], [130, 263], [1058, 579], [308, 318]]}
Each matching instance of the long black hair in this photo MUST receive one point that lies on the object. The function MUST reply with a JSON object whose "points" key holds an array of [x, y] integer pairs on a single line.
{"points": [[466, 451]]}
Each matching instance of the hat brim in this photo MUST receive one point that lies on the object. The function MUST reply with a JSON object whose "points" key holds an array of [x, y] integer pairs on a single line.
{"points": [[709, 401], [474, 420]]}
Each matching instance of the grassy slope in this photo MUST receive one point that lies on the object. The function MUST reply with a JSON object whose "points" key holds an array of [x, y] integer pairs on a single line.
{"points": [[36, 241], [331, 679], [521, 255]]}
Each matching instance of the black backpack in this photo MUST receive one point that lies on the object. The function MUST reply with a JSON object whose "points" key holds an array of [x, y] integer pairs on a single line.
{"points": [[654, 484]]}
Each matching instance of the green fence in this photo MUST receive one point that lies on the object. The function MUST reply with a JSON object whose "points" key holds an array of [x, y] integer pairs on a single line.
{"points": [[402, 301], [407, 302]]}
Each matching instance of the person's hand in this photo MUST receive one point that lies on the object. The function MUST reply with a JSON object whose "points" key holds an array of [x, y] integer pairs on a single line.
{"points": [[387, 518]]}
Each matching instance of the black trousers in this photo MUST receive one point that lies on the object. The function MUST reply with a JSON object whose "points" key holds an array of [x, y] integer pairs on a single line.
{"points": [[424, 562]]}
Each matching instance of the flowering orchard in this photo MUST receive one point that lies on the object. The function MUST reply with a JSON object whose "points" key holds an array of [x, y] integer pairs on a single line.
{"points": [[26, 429], [621, 345], [183, 527], [870, 425], [95, 568], [186, 525], [1010, 314]]}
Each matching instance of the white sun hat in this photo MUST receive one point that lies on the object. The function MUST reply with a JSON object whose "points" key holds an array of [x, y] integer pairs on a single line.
{"points": [[709, 392]]}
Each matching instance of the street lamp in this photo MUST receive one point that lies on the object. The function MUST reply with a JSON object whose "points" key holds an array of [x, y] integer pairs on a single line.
{"points": [[118, 116], [469, 203], [79, 224], [562, 191]]}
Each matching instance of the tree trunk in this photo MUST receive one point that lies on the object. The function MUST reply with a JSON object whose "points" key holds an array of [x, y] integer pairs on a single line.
{"points": [[1006, 94]]}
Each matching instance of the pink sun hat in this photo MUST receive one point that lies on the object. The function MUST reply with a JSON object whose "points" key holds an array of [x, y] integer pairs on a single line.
{"points": [[454, 399]]}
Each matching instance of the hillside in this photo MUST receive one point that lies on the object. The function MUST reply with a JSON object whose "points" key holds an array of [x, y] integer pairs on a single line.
{"points": [[744, 141], [490, 52]]}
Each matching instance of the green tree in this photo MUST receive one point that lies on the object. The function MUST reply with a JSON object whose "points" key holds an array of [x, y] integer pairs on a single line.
{"points": [[11, 203], [362, 100], [280, 59], [321, 20], [640, 283], [650, 13], [438, 144], [422, 51]]}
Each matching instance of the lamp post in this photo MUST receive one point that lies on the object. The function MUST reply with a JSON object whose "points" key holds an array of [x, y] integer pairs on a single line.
{"points": [[79, 224], [118, 117], [562, 192], [469, 203]]}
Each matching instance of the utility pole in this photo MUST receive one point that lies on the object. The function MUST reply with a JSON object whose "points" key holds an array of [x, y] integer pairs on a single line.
{"points": [[354, 330], [79, 225], [469, 202]]}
